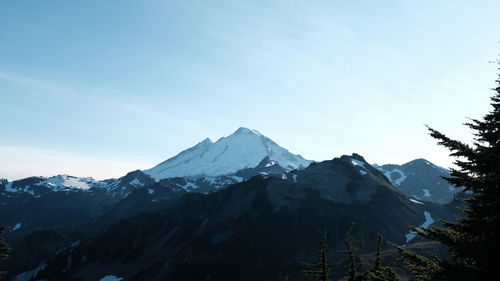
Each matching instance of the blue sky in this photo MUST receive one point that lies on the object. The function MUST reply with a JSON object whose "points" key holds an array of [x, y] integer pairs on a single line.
{"points": [[99, 88]]}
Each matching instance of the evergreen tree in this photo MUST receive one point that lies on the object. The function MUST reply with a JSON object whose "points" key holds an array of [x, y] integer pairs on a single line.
{"points": [[422, 268], [4, 249], [352, 255], [473, 240], [377, 264], [321, 270], [379, 272]]}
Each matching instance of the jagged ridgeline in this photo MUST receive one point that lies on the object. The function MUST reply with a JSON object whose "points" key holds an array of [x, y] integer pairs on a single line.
{"points": [[256, 218]]}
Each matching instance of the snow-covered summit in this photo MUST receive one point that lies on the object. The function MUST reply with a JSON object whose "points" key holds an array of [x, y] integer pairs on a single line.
{"points": [[245, 148], [36, 186], [64, 182]]}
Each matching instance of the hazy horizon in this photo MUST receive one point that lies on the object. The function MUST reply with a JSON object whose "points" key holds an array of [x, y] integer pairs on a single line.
{"points": [[50, 157], [92, 88]]}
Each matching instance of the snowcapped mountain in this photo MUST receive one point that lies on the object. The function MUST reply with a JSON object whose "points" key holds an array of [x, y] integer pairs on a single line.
{"points": [[243, 149], [123, 186], [63, 201], [420, 179], [216, 212], [37, 186], [222, 233]]}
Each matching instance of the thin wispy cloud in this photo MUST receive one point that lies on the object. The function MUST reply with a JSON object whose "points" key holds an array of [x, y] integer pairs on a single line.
{"points": [[35, 83], [88, 95], [20, 162], [321, 78]]}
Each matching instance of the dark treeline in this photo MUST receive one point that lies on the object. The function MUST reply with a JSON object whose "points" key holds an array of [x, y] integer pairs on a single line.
{"points": [[322, 269], [4, 249]]}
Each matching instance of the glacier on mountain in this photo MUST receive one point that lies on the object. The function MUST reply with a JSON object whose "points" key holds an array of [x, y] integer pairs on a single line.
{"points": [[244, 148]]}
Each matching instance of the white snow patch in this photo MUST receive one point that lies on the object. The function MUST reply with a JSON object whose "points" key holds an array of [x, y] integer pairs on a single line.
{"points": [[236, 178], [77, 183], [65, 182], [189, 186], [357, 163], [409, 237], [270, 164], [110, 278], [218, 181], [27, 190], [136, 182], [402, 176], [151, 191], [362, 172], [8, 188], [284, 177], [211, 180], [294, 178], [426, 192], [415, 201], [17, 226], [428, 221]]}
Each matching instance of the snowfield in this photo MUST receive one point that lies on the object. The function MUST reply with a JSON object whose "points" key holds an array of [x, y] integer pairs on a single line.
{"points": [[245, 148], [428, 221]]}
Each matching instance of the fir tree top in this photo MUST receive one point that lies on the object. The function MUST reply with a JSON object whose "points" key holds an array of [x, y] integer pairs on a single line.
{"points": [[473, 240]]}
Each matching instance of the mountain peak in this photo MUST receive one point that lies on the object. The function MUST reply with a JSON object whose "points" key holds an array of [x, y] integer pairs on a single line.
{"points": [[357, 157], [243, 130], [245, 148], [421, 162], [205, 142]]}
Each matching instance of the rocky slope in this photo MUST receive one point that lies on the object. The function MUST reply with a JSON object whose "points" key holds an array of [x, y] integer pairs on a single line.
{"points": [[421, 179], [254, 230]]}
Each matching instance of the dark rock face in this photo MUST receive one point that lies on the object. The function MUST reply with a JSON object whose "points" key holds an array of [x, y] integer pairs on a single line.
{"points": [[343, 180], [60, 204], [253, 230], [265, 167], [63, 201], [54, 210], [40, 245], [421, 179]]}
